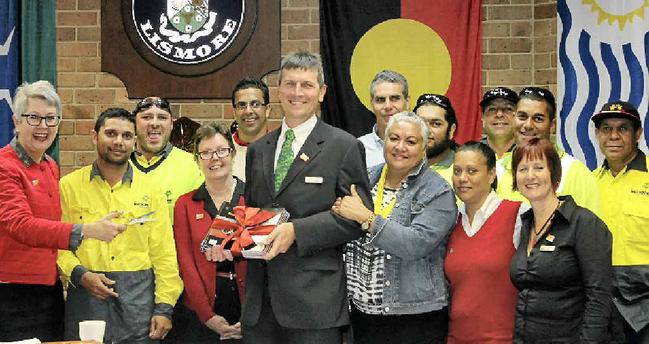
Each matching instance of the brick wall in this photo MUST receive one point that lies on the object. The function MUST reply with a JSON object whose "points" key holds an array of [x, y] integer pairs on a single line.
{"points": [[519, 43], [519, 49]]}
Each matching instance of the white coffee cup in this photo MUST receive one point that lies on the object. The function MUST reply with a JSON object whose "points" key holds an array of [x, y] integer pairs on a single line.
{"points": [[92, 330]]}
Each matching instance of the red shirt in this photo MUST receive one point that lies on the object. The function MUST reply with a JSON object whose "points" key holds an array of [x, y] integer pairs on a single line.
{"points": [[30, 211], [483, 298]]}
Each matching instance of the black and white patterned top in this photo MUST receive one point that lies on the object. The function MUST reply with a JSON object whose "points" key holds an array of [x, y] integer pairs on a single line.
{"points": [[365, 264]]}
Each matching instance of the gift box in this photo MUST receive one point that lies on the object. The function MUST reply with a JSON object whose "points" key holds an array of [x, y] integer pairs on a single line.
{"points": [[243, 234]]}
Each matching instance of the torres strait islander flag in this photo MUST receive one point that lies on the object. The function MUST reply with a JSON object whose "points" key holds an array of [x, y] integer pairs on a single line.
{"points": [[436, 45], [603, 50]]}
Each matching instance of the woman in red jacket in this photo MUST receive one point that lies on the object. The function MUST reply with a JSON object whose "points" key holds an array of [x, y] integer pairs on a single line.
{"points": [[31, 294], [212, 290]]}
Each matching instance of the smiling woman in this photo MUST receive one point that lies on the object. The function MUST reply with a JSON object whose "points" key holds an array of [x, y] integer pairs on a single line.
{"points": [[31, 294], [200, 316], [562, 269], [480, 250], [395, 275]]}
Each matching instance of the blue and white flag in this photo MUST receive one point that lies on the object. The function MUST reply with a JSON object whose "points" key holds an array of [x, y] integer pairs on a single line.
{"points": [[9, 66], [604, 56]]}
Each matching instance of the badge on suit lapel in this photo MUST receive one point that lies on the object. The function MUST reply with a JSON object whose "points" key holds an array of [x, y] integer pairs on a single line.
{"points": [[304, 157], [313, 180]]}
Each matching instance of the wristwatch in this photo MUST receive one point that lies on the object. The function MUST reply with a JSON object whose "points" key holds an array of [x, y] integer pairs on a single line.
{"points": [[365, 225]]}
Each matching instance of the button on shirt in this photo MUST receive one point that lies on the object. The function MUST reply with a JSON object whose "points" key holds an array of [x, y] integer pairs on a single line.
{"points": [[301, 132]]}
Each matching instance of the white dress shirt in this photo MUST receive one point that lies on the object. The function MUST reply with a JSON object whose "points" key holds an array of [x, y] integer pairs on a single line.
{"points": [[301, 132]]}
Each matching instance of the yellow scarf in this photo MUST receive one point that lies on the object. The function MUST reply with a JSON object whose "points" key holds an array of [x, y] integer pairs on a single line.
{"points": [[378, 200]]}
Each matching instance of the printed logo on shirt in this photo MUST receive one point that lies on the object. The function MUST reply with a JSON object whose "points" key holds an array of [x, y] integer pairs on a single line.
{"points": [[145, 203]]}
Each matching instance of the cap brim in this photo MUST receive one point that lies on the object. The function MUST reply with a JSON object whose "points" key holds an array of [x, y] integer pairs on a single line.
{"points": [[597, 118]]}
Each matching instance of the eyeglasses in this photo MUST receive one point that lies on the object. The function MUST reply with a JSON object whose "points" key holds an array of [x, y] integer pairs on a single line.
{"points": [[35, 120], [255, 105], [439, 100], [220, 153], [151, 101], [538, 92]]}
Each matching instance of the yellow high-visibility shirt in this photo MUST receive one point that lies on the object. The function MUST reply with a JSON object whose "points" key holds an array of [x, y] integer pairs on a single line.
{"points": [[174, 171], [576, 181], [86, 197], [626, 210]]}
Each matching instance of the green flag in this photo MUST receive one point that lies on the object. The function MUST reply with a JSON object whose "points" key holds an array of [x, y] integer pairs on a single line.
{"points": [[38, 47]]}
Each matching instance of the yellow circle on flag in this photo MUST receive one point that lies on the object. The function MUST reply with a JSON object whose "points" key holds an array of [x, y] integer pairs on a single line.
{"points": [[406, 46]]}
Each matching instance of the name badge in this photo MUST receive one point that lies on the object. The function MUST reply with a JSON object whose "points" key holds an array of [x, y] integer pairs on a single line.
{"points": [[313, 180], [546, 248], [199, 216]]}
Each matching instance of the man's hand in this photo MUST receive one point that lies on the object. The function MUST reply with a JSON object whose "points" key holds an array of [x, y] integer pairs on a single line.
{"points": [[98, 285], [219, 325], [160, 327], [280, 239], [104, 229], [217, 254]]}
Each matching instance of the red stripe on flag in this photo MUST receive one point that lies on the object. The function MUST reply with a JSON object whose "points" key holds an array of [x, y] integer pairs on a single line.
{"points": [[458, 24]]}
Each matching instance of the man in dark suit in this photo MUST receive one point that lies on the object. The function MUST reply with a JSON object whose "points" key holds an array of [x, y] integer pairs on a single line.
{"points": [[298, 294]]}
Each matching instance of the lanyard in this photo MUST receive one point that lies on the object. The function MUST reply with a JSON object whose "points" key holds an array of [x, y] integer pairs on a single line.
{"points": [[378, 200]]}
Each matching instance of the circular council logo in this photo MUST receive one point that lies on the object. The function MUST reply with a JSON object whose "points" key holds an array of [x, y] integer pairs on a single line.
{"points": [[188, 31]]}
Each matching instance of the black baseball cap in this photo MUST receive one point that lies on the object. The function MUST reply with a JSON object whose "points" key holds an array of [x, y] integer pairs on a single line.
{"points": [[617, 109], [498, 92]]}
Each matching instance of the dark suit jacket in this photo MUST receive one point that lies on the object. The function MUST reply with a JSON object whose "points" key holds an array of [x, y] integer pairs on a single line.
{"points": [[191, 222], [307, 285]]}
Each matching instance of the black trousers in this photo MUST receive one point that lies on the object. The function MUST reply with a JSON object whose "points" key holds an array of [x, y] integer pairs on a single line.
{"points": [[424, 328], [30, 310], [269, 331]]}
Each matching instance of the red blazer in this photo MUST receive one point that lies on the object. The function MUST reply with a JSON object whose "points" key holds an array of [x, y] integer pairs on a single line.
{"points": [[191, 223], [30, 211]]}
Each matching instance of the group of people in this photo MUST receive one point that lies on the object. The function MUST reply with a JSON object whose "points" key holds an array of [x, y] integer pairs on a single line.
{"points": [[402, 233]]}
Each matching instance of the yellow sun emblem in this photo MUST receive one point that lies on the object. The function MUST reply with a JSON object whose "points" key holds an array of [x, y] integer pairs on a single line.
{"points": [[611, 18]]}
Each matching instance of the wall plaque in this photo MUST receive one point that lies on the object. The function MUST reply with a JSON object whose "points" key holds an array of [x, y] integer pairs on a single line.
{"points": [[189, 48]]}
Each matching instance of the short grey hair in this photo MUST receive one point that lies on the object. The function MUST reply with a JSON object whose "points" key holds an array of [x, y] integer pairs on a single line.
{"points": [[391, 77], [303, 60], [41, 89], [409, 117]]}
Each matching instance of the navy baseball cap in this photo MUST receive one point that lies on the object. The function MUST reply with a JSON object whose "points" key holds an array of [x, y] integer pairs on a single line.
{"points": [[617, 109], [498, 92]]}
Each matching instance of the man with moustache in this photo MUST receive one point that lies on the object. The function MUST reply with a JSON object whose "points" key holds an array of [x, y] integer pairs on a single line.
{"points": [[438, 112], [623, 181], [132, 283], [170, 168], [389, 96], [250, 100], [297, 294], [536, 117], [498, 107]]}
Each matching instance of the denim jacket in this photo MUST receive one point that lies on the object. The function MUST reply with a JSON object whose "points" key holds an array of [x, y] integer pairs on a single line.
{"points": [[414, 238]]}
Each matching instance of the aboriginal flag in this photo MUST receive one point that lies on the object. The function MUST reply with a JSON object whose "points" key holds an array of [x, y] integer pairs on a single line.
{"points": [[436, 45]]}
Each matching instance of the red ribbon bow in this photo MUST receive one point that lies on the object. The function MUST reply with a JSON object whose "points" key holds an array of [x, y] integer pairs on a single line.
{"points": [[248, 222]]}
